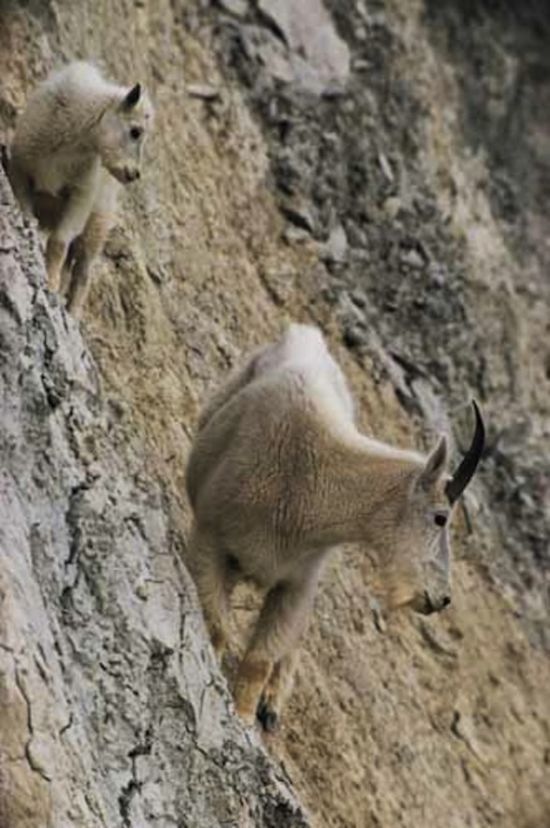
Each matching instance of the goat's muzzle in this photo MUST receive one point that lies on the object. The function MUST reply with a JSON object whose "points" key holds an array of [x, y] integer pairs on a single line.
{"points": [[125, 175], [132, 174]]}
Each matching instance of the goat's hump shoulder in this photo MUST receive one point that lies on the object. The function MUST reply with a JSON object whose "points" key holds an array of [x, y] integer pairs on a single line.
{"points": [[299, 345], [79, 72], [304, 343]]}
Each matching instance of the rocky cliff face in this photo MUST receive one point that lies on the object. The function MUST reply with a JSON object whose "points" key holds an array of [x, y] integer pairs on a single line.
{"points": [[379, 168], [113, 712]]}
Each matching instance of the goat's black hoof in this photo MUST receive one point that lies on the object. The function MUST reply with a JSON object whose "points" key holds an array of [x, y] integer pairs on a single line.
{"points": [[267, 717]]}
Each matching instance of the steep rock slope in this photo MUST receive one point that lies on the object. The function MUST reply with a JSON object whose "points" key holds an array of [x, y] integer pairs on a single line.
{"points": [[322, 167], [113, 712]]}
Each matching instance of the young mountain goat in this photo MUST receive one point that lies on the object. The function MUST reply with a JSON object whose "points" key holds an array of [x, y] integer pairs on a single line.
{"points": [[79, 138], [278, 476]]}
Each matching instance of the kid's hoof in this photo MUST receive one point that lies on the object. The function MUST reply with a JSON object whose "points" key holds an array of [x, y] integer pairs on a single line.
{"points": [[267, 718]]}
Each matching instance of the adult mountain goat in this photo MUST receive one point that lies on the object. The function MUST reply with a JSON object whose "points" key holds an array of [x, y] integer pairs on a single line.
{"points": [[278, 476], [79, 138]]}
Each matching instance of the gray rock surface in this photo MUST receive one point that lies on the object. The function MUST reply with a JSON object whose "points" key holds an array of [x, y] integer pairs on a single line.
{"points": [[119, 715], [297, 44], [318, 57]]}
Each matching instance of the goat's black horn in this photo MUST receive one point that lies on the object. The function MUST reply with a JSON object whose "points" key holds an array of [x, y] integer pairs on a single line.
{"points": [[466, 470]]}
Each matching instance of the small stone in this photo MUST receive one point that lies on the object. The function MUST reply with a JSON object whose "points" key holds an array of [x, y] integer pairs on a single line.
{"points": [[386, 167], [333, 90], [354, 336], [437, 276], [299, 213], [358, 298], [238, 8], [377, 615], [356, 235], [295, 235], [203, 90], [359, 254], [157, 274], [392, 206], [336, 248], [413, 259]]}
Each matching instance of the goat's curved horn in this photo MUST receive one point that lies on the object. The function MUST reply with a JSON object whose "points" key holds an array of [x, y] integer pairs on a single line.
{"points": [[466, 470]]}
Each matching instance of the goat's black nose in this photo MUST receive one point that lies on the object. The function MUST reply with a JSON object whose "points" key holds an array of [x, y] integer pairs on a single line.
{"points": [[446, 601]]}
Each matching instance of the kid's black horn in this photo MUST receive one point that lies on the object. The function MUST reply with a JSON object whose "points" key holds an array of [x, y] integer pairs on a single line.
{"points": [[466, 470]]}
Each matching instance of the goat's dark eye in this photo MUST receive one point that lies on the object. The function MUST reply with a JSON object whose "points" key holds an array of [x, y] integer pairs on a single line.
{"points": [[136, 133], [440, 519]]}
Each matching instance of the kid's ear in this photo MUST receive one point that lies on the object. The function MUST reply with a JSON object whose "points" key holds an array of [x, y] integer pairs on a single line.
{"points": [[436, 465], [132, 97]]}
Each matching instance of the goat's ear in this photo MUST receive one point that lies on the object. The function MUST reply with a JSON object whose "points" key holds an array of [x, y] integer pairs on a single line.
{"points": [[436, 465], [132, 97]]}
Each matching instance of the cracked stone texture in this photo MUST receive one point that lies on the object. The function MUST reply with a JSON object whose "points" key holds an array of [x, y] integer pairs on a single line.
{"points": [[113, 711], [399, 200]]}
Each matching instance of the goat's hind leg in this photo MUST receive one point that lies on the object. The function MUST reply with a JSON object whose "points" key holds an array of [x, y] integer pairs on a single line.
{"points": [[20, 184], [214, 582]]}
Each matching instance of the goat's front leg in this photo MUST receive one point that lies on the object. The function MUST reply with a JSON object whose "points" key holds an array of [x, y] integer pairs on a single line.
{"points": [[282, 621], [87, 247], [75, 214]]}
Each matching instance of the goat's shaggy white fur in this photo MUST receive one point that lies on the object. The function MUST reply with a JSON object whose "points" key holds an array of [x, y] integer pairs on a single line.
{"points": [[278, 476], [77, 140]]}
